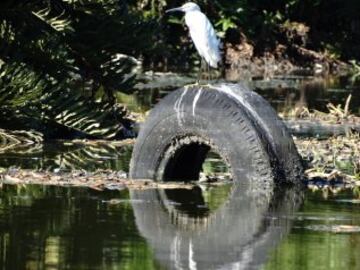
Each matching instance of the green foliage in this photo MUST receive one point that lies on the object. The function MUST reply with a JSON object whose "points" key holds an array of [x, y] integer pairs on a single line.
{"points": [[64, 61]]}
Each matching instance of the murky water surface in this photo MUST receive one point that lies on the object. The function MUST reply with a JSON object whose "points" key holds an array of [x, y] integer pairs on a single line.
{"points": [[222, 227], [283, 92]]}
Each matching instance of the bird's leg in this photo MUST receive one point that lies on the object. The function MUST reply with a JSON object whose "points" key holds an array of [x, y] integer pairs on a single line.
{"points": [[209, 72], [200, 70], [208, 67]]}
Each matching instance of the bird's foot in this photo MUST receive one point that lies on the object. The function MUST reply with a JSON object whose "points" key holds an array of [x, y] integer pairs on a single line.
{"points": [[197, 83], [208, 84], [198, 86]]}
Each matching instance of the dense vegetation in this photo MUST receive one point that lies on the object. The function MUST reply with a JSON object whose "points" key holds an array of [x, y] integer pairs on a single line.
{"points": [[63, 62], [331, 27]]}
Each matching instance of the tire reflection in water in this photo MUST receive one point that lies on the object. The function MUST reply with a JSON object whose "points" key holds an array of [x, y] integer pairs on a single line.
{"points": [[186, 232]]}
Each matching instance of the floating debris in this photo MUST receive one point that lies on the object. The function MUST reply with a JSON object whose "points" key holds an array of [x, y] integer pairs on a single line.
{"points": [[334, 164], [98, 180], [337, 114]]}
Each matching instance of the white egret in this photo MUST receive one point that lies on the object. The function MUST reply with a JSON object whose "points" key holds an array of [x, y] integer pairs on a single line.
{"points": [[202, 33]]}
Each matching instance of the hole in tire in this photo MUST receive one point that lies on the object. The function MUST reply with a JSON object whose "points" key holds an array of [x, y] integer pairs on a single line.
{"points": [[193, 159], [196, 161]]}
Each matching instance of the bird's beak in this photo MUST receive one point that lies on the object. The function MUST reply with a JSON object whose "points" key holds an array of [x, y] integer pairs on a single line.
{"points": [[173, 10]]}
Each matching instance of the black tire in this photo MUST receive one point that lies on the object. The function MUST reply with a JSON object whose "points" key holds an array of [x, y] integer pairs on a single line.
{"points": [[233, 121]]}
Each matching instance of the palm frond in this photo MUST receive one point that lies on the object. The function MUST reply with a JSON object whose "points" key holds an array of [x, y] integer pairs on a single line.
{"points": [[97, 119], [64, 61], [26, 94], [59, 22]]}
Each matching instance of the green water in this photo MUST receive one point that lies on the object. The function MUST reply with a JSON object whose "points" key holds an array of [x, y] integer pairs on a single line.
{"points": [[45, 227], [62, 228], [314, 241]]}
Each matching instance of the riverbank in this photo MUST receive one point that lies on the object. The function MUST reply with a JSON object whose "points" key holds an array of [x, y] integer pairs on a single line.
{"points": [[242, 62]]}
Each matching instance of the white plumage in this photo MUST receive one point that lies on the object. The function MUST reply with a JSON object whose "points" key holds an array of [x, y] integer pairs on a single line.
{"points": [[202, 33]]}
